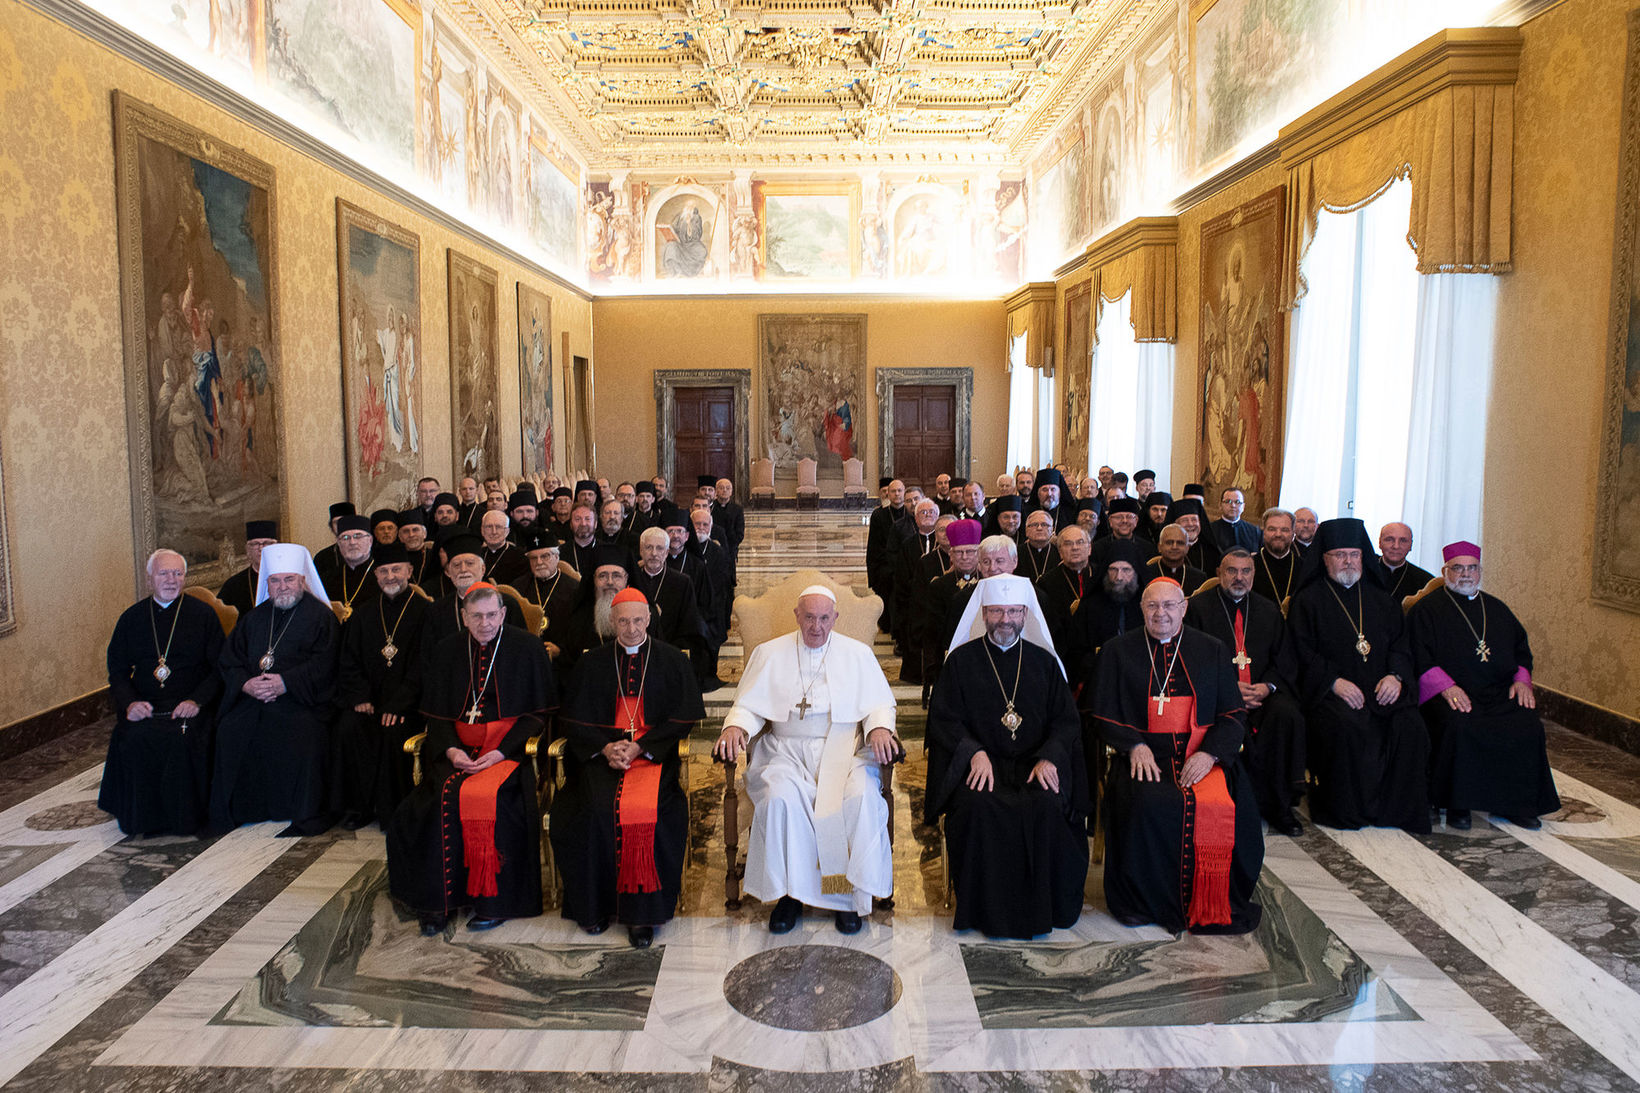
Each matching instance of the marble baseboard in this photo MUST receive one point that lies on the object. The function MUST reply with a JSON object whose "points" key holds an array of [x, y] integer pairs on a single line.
{"points": [[31, 732], [1596, 722]]}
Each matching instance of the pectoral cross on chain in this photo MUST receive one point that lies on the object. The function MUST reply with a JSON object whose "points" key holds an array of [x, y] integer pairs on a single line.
{"points": [[1161, 704], [1241, 659], [803, 708], [1483, 651]]}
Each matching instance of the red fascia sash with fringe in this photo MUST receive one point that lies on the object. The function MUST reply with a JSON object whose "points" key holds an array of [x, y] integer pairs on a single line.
{"points": [[478, 792], [637, 809], [1214, 833]]}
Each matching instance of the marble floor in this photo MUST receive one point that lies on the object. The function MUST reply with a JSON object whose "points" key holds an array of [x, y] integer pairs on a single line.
{"points": [[1490, 959]]}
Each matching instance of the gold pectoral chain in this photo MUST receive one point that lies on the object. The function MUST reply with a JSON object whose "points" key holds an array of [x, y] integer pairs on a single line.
{"points": [[1482, 650], [1362, 645], [162, 671], [390, 650], [1010, 717]]}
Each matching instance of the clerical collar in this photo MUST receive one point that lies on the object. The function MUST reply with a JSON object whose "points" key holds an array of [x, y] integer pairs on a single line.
{"points": [[1393, 568], [1279, 557], [632, 650], [165, 605], [1002, 648], [657, 572]]}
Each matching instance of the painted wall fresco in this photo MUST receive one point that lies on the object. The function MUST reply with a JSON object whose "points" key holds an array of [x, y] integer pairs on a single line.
{"points": [[475, 423], [535, 379]]}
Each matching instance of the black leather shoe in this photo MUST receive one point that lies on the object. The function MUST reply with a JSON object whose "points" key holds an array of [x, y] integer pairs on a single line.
{"points": [[1287, 824], [641, 937], [1529, 823], [848, 922], [353, 821], [785, 915], [477, 925], [597, 927], [1458, 819], [432, 925]]}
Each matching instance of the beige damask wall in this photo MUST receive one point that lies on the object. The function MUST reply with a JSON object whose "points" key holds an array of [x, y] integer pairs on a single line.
{"points": [[62, 413], [636, 336], [1544, 426]]}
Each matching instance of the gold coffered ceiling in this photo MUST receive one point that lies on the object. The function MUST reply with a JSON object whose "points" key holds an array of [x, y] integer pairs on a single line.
{"points": [[765, 82]]}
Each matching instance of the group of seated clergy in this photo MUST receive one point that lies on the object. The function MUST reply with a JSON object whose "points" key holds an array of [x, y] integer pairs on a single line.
{"points": [[1215, 705]]}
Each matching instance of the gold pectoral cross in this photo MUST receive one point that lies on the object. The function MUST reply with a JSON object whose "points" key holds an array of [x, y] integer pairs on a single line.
{"points": [[803, 708], [1241, 659], [1483, 651]]}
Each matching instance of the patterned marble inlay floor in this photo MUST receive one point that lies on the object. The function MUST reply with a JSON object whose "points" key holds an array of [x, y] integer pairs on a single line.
{"points": [[1496, 959]]}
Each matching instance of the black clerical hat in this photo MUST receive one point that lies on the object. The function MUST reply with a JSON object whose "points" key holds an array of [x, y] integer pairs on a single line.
{"points": [[1048, 476], [1132, 551], [412, 516], [1123, 504], [674, 517], [384, 516], [1192, 487], [342, 508], [1140, 476], [1345, 533], [519, 497], [565, 491], [261, 529], [645, 487], [1159, 497], [882, 483], [1008, 502], [447, 499], [352, 523], [1088, 504], [537, 539], [958, 483], [391, 553], [1185, 506], [463, 542], [609, 554], [586, 484], [705, 480]]}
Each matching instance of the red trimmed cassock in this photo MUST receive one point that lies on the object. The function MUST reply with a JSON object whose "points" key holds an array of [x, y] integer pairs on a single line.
{"points": [[1183, 858], [619, 837], [474, 840]]}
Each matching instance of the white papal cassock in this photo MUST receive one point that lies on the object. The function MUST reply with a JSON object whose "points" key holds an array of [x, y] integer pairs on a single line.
{"points": [[819, 830]]}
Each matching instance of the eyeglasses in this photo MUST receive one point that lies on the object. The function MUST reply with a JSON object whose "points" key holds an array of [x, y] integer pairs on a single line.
{"points": [[1156, 608], [353, 537]]}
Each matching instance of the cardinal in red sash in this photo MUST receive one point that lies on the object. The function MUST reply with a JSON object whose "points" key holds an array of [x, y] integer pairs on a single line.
{"points": [[470, 834], [620, 828], [1184, 843]]}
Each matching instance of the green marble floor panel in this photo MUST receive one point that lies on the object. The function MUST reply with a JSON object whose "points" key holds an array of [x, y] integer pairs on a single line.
{"points": [[361, 963], [1291, 969]]}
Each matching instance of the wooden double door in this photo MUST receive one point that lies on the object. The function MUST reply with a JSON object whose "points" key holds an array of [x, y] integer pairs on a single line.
{"points": [[703, 432], [925, 433]]}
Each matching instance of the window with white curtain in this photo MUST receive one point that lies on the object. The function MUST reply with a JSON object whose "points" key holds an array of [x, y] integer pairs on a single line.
{"points": [[1388, 383], [1131, 409], [1021, 405], [1046, 419]]}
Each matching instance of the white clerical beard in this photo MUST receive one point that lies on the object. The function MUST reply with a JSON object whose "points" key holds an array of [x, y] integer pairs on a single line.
{"points": [[602, 609]]}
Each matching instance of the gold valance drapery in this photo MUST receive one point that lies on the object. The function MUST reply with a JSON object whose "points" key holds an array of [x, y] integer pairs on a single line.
{"points": [[1031, 314], [1142, 256], [1441, 113]]}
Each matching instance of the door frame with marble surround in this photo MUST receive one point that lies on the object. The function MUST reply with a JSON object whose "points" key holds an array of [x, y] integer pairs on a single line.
{"points": [[962, 379], [667, 382]]}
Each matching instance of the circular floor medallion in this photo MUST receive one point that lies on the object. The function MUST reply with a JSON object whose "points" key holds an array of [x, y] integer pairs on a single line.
{"points": [[1574, 811], [69, 817], [812, 988]]}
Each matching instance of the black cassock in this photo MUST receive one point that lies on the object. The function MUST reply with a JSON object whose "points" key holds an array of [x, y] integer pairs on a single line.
{"points": [[272, 758], [1149, 863], [1493, 758], [1368, 766], [157, 777], [351, 586], [426, 859], [675, 615], [585, 843], [372, 773], [1274, 751], [239, 591], [1275, 578], [1019, 853], [1187, 575], [1063, 594], [1097, 621], [555, 596], [443, 621], [1405, 582]]}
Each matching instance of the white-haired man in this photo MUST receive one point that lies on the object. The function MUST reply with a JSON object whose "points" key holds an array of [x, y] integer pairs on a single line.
{"points": [[279, 676], [1005, 769], [163, 681], [822, 714]]}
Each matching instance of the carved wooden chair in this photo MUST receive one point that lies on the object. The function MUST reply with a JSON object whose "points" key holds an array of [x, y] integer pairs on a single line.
{"points": [[227, 616], [808, 488], [762, 494], [854, 481], [759, 618], [1434, 583], [534, 616], [1206, 586]]}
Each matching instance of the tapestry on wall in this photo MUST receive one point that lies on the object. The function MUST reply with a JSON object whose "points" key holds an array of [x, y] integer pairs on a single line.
{"points": [[8, 603], [1617, 515], [814, 382], [380, 278], [202, 365], [1077, 367], [474, 431], [535, 378], [1241, 358]]}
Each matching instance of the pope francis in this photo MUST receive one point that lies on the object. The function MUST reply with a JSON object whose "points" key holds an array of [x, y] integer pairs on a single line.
{"points": [[817, 716]]}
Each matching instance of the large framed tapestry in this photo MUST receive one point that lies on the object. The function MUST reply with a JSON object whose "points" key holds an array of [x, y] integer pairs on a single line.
{"points": [[8, 603], [199, 294], [814, 388], [474, 422], [1617, 514], [1242, 353], [1076, 366], [535, 378], [380, 278]]}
